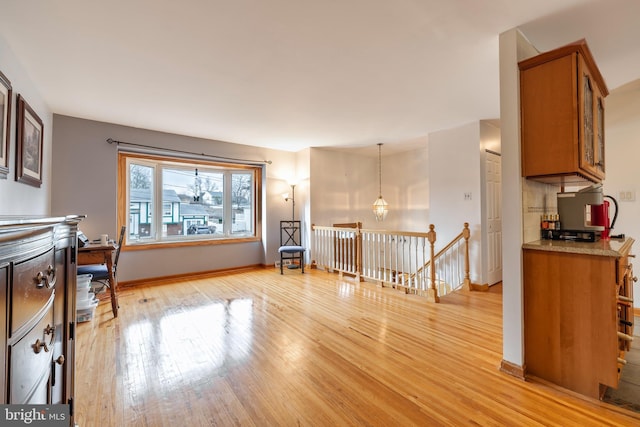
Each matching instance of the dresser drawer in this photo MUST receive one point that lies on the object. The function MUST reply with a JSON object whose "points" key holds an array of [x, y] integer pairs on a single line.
{"points": [[33, 284], [30, 361]]}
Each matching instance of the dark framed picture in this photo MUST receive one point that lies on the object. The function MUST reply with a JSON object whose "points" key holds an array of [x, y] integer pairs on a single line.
{"points": [[29, 138], [5, 123]]}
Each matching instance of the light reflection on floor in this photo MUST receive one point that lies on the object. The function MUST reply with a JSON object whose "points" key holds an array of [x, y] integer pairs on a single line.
{"points": [[346, 289], [187, 345]]}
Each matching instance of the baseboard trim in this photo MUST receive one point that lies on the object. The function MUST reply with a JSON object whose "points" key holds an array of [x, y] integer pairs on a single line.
{"points": [[512, 369], [187, 276], [636, 311], [479, 287]]}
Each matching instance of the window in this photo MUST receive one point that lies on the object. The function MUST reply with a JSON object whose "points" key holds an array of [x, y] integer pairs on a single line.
{"points": [[175, 201]]}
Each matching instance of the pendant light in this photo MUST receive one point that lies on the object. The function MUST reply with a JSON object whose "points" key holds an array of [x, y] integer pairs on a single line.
{"points": [[380, 206]]}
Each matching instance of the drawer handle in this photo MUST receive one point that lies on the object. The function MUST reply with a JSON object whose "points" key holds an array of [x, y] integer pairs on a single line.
{"points": [[39, 346], [42, 280]]}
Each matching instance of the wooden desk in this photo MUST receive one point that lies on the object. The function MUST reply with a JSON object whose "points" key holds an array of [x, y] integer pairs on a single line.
{"points": [[95, 253]]}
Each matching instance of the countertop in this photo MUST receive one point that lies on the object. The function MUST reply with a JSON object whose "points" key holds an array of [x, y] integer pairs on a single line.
{"points": [[612, 248]]}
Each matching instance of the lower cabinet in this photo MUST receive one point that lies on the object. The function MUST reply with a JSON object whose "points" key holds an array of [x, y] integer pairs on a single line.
{"points": [[574, 327], [37, 296]]}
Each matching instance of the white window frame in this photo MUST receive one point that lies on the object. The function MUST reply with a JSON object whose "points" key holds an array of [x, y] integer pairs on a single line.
{"points": [[158, 163]]}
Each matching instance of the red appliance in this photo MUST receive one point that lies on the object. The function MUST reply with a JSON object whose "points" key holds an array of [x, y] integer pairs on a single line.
{"points": [[600, 216]]}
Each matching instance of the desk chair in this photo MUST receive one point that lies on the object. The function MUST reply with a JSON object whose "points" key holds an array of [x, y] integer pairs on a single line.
{"points": [[290, 244], [101, 274]]}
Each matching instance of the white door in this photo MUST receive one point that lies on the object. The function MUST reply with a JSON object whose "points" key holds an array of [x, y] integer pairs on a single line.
{"points": [[494, 217]]}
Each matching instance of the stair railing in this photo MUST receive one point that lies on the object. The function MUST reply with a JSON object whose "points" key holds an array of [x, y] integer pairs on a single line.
{"points": [[400, 259]]}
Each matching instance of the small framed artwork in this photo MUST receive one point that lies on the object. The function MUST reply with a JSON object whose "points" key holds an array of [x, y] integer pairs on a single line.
{"points": [[5, 124], [29, 138]]}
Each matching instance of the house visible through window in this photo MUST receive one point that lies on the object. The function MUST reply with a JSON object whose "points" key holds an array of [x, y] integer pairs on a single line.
{"points": [[174, 200]]}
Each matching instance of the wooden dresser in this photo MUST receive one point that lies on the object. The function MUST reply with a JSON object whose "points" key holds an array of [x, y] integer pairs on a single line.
{"points": [[37, 296], [578, 314]]}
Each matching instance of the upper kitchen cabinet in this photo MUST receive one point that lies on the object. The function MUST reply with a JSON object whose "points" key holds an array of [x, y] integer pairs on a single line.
{"points": [[562, 116]]}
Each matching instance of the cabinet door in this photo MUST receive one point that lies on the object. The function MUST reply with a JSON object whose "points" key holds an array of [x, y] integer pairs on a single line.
{"points": [[591, 123], [549, 116]]}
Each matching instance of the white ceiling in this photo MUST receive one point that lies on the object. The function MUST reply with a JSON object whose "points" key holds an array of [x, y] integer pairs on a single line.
{"points": [[290, 74]]}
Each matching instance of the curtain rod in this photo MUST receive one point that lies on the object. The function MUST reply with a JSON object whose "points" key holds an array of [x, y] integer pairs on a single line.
{"points": [[171, 150]]}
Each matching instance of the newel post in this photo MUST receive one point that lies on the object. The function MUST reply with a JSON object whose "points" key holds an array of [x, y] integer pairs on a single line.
{"points": [[359, 275], [466, 233], [314, 264], [433, 292]]}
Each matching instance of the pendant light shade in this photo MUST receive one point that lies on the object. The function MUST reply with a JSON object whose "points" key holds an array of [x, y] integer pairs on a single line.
{"points": [[380, 209], [380, 206]]}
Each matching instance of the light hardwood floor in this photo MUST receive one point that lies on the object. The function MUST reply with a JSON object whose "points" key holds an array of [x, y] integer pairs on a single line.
{"points": [[258, 348]]}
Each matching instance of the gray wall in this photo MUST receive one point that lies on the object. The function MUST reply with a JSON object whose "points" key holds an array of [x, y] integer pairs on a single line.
{"points": [[346, 183], [84, 181], [18, 199], [454, 167]]}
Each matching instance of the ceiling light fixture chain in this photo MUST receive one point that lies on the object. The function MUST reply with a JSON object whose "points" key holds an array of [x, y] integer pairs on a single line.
{"points": [[380, 170]]}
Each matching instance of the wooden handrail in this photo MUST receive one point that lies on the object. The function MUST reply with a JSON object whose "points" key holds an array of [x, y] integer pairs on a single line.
{"points": [[328, 228], [397, 233], [464, 234], [369, 230], [393, 257], [452, 243], [441, 251]]}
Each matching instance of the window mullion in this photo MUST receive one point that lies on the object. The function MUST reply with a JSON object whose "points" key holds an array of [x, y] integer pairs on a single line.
{"points": [[228, 205], [157, 201]]}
